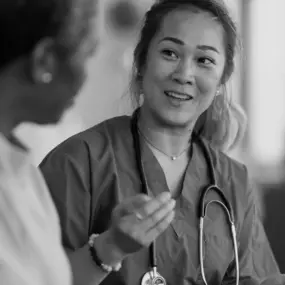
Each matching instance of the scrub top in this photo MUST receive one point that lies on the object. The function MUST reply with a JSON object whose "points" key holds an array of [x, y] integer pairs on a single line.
{"points": [[31, 252], [93, 171]]}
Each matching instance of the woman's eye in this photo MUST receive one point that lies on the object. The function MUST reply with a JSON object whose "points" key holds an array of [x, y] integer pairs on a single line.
{"points": [[206, 61], [169, 54]]}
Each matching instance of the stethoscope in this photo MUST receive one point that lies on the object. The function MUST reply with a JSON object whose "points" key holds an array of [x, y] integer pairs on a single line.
{"points": [[153, 277]]}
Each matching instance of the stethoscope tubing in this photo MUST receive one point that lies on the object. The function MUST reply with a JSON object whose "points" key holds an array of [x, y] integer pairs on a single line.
{"points": [[201, 235], [224, 203], [145, 187]]}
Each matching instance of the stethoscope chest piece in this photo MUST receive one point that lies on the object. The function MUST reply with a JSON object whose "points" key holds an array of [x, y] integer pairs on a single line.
{"points": [[153, 278]]}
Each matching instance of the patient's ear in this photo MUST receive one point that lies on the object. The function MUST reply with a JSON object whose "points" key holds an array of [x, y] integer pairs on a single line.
{"points": [[44, 63]]}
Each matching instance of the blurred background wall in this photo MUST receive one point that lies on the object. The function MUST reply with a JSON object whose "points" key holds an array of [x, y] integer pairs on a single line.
{"points": [[264, 91], [258, 84]]}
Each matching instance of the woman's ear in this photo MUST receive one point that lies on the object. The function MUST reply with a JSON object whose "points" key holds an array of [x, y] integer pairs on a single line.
{"points": [[218, 91], [43, 62]]}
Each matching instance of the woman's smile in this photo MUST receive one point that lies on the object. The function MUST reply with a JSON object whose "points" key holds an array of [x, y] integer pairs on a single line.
{"points": [[178, 99]]}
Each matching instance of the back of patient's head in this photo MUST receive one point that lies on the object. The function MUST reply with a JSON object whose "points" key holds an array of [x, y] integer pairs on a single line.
{"points": [[23, 23], [43, 51]]}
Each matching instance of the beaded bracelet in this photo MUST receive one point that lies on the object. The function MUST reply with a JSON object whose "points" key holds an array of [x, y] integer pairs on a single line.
{"points": [[106, 268]]}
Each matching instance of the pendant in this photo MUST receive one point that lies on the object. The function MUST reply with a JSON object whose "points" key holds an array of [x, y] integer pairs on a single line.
{"points": [[173, 157], [153, 278]]}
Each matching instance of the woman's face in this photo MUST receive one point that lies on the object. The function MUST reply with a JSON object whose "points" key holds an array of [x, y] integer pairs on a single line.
{"points": [[184, 66]]}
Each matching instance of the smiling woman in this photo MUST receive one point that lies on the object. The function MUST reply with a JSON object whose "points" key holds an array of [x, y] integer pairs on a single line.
{"points": [[217, 121], [187, 56], [170, 149]]}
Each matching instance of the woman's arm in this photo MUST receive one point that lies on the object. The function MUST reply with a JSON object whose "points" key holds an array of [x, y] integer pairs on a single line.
{"points": [[67, 172], [84, 269]]}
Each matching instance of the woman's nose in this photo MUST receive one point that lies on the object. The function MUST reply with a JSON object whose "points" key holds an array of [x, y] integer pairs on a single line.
{"points": [[185, 73]]}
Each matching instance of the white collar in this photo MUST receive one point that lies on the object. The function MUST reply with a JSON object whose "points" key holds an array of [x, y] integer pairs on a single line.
{"points": [[14, 156]]}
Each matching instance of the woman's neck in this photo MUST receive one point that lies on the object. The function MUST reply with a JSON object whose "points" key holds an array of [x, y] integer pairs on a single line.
{"points": [[170, 140]]}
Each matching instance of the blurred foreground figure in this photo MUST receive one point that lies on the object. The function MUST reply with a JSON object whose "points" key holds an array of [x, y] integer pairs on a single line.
{"points": [[44, 47]]}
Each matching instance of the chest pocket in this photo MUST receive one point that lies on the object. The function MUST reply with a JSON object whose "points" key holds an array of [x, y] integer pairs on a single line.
{"points": [[218, 246]]}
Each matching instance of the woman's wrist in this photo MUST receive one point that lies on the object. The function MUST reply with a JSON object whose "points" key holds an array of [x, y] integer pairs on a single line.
{"points": [[107, 251]]}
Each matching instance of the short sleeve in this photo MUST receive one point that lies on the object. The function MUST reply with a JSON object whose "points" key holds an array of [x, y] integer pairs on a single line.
{"points": [[256, 259], [66, 170]]}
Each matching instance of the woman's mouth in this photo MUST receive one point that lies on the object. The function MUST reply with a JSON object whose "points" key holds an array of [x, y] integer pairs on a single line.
{"points": [[178, 95]]}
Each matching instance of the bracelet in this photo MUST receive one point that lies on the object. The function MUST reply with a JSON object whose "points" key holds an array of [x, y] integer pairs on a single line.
{"points": [[106, 268]]}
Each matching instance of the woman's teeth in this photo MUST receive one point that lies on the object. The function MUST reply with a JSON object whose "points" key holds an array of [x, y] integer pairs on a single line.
{"points": [[179, 96]]}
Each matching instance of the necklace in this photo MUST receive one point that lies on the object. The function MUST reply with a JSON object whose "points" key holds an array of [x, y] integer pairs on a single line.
{"points": [[172, 157]]}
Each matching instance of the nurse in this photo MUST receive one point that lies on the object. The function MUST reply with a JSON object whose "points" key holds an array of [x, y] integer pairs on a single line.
{"points": [[182, 62]]}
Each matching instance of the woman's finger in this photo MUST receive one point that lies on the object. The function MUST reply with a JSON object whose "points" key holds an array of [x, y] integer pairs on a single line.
{"points": [[141, 226], [153, 220], [138, 225], [131, 204], [132, 228], [159, 228], [153, 205], [144, 237], [132, 232]]}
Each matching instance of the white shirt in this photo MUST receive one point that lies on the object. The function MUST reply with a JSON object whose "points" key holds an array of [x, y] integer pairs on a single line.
{"points": [[30, 239]]}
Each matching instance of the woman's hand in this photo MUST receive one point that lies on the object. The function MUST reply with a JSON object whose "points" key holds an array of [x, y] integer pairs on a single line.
{"points": [[139, 220]]}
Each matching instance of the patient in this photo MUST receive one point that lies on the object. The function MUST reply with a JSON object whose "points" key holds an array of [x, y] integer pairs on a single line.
{"points": [[44, 48]]}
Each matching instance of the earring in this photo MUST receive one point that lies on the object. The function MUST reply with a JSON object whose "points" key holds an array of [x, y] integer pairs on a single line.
{"points": [[47, 77], [217, 93]]}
